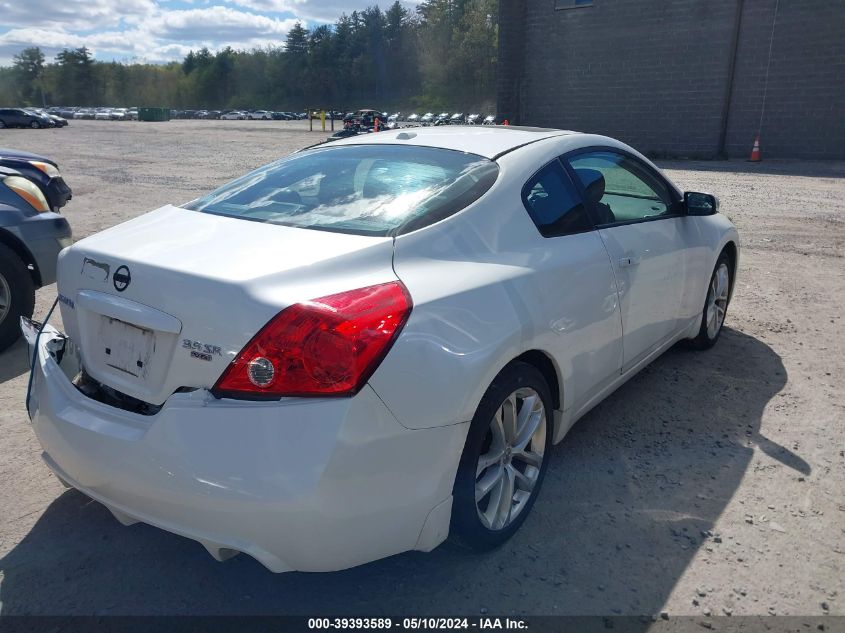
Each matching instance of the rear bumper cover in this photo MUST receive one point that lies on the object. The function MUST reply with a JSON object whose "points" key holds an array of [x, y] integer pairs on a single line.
{"points": [[300, 484]]}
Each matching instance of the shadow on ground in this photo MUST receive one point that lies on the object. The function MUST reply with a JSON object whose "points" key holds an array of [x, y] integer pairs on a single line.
{"points": [[773, 167], [13, 362], [626, 500]]}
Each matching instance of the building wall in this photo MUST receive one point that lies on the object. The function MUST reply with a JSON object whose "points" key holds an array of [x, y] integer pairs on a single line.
{"points": [[511, 56], [656, 73], [805, 102]]}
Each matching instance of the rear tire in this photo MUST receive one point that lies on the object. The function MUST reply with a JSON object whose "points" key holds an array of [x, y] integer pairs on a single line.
{"points": [[505, 457], [17, 296], [35, 125], [2, 125], [715, 304]]}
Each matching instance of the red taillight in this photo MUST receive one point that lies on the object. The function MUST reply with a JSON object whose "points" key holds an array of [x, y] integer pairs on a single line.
{"points": [[324, 347]]}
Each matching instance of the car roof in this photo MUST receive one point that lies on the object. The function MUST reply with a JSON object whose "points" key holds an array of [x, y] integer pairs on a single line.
{"points": [[490, 141]]}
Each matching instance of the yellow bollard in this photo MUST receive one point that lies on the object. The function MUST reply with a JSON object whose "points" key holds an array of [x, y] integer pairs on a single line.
{"points": [[323, 119]]}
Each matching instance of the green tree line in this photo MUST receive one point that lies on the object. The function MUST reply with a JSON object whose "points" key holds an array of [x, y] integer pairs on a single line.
{"points": [[440, 56]]}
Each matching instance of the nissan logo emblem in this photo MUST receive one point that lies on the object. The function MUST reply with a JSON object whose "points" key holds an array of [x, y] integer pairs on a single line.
{"points": [[121, 278]]}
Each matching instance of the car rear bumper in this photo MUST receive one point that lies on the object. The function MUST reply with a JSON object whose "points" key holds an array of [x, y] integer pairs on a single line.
{"points": [[299, 484]]}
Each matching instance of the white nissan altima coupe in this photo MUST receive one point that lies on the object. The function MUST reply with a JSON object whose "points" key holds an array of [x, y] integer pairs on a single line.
{"points": [[371, 344]]}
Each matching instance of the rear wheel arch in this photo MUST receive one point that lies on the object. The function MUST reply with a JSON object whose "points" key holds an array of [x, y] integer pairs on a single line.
{"points": [[467, 526], [542, 362], [731, 251], [546, 366], [20, 249]]}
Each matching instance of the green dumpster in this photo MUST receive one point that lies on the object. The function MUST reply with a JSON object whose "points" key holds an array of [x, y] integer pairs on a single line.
{"points": [[153, 114]]}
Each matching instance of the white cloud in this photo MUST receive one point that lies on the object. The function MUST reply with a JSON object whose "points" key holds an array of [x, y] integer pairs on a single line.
{"points": [[218, 24], [150, 30], [73, 14], [318, 10], [163, 36]]}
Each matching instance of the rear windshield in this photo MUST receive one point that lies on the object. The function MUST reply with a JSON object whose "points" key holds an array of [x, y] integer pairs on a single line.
{"points": [[361, 189]]}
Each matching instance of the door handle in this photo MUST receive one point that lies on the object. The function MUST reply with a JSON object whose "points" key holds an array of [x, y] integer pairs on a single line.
{"points": [[624, 262]]}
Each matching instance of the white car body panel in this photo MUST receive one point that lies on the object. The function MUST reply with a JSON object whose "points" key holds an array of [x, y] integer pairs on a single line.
{"points": [[328, 483], [650, 266]]}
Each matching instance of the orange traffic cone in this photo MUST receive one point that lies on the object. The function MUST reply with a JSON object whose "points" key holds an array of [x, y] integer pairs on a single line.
{"points": [[755, 151]]}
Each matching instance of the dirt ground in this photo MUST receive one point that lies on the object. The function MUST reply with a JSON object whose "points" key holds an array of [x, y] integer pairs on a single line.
{"points": [[712, 483]]}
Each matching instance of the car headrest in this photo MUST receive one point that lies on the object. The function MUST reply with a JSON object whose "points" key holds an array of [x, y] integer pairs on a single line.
{"points": [[593, 181]]}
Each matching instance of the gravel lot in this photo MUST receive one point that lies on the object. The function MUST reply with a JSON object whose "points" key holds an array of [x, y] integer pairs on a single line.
{"points": [[711, 483]]}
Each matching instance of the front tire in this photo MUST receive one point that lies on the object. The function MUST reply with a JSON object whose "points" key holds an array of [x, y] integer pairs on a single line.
{"points": [[35, 125], [715, 305], [504, 459], [17, 296]]}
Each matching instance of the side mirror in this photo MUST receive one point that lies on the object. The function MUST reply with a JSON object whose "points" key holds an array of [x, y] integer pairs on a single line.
{"points": [[697, 203]]}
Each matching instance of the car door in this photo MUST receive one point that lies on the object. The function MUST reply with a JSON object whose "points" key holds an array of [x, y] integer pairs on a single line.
{"points": [[11, 117], [576, 286], [638, 219], [21, 118]]}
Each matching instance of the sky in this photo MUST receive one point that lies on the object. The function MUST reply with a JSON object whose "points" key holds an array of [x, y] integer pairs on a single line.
{"points": [[159, 30]]}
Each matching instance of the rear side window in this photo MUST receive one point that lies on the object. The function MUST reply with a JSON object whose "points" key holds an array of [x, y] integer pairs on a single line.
{"points": [[621, 188], [362, 189], [554, 204]]}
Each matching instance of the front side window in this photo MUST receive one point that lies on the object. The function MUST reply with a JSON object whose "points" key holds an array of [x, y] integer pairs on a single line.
{"points": [[361, 189], [620, 188], [553, 202]]}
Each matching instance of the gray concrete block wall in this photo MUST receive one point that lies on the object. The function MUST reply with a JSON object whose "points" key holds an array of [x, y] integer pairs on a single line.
{"points": [[804, 115], [510, 64], [654, 73]]}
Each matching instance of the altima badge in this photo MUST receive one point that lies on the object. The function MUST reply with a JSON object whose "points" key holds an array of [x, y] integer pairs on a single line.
{"points": [[201, 351]]}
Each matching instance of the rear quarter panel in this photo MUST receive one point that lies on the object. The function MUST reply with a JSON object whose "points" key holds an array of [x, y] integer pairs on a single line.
{"points": [[478, 302]]}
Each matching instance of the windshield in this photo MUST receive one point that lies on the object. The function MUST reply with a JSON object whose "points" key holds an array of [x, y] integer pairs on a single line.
{"points": [[363, 189]]}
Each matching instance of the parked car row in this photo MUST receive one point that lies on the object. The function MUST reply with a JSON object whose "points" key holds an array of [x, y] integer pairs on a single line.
{"points": [[430, 118], [99, 114], [242, 115], [57, 116], [457, 118], [32, 232], [34, 118]]}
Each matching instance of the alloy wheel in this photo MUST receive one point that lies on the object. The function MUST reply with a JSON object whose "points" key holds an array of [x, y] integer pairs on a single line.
{"points": [[717, 300], [511, 459], [5, 298]]}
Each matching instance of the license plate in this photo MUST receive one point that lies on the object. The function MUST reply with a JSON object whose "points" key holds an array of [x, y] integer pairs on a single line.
{"points": [[125, 347]]}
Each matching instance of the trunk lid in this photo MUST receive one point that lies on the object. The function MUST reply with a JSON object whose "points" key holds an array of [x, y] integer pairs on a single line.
{"points": [[168, 299]]}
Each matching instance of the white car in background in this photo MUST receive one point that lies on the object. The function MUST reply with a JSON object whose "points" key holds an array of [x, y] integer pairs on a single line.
{"points": [[234, 115], [261, 115], [103, 114], [371, 344]]}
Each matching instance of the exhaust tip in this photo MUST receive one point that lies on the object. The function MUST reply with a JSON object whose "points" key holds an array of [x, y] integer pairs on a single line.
{"points": [[220, 554]]}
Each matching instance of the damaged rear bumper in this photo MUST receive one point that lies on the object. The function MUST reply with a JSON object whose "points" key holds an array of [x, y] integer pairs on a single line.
{"points": [[299, 484]]}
